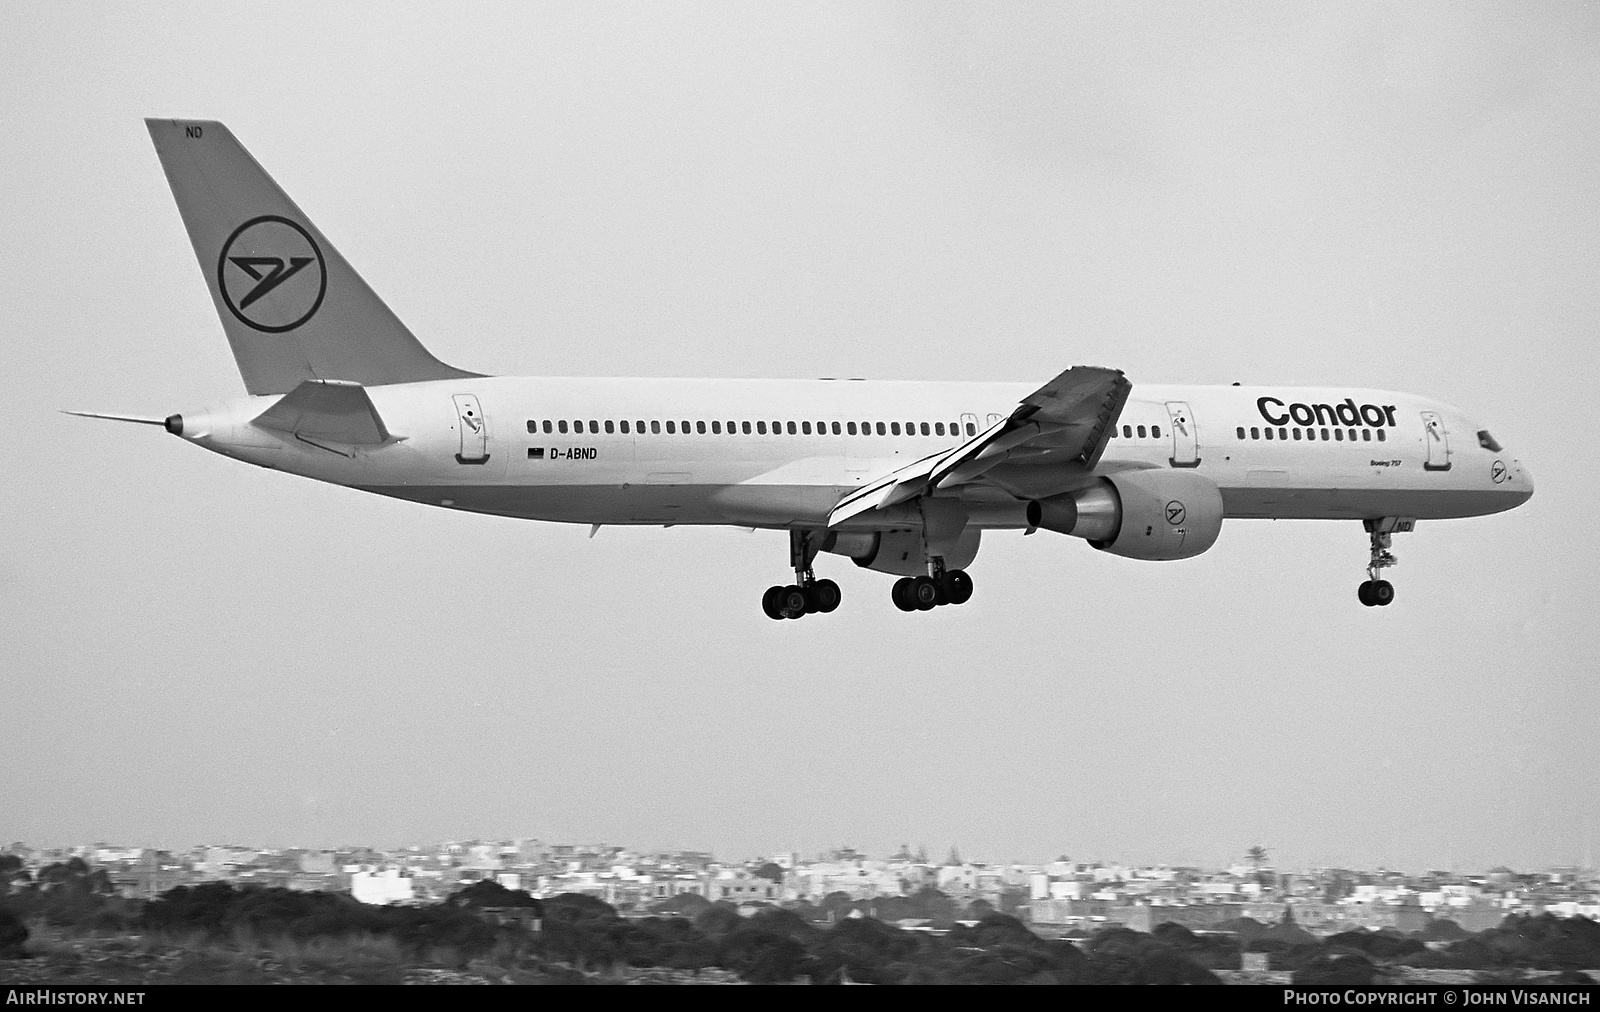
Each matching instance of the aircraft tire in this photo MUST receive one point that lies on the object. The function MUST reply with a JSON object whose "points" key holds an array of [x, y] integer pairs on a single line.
{"points": [[924, 593], [901, 594], [958, 586], [771, 603], [1364, 592], [793, 601], [1382, 593], [826, 595]]}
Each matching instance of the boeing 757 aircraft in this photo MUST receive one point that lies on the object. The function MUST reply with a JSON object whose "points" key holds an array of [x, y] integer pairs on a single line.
{"points": [[900, 477]]}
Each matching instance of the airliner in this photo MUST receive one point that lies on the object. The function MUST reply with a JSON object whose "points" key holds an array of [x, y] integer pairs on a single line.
{"points": [[900, 477]]}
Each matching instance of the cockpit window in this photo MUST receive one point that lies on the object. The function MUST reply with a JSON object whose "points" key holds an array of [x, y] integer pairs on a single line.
{"points": [[1487, 441]]}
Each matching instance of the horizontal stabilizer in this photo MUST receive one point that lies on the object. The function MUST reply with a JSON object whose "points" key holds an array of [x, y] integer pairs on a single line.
{"points": [[326, 411]]}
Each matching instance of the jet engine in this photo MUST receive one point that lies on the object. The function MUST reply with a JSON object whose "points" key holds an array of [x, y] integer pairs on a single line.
{"points": [[1154, 514]]}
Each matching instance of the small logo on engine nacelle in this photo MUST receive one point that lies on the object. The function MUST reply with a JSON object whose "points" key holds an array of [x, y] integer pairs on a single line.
{"points": [[1175, 512]]}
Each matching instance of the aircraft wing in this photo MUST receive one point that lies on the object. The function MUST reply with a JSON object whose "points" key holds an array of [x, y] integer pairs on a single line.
{"points": [[1066, 421]]}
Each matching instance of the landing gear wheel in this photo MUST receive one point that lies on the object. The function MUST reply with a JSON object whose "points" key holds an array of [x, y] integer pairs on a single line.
{"points": [[957, 586], [901, 594], [772, 603], [824, 596], [1382, 593], [924, 593], [793, 602], [1364, 593]]}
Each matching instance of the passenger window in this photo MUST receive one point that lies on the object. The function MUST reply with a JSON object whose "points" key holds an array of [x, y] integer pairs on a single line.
{"points": [[1269, 433], [938, 428], [791, 428], [836, 428], [639, 427], [716, 428], [1338, 435], [1155, 431], [894, 428], [925, 431], [610, 428], [1141, 432], [547, 425], [1366, 435], [655, 428], [1127, 431], [1352, 435], [700, 427], [672, 429], [594, 426], [1283, 433], [911, 428], [1324, 435], [745, 428], [624, 426], [1241, 432], [972, 428], [1381, 436], [533, 426], [882, 429], [562, 425], [805, 428], [761, 428], [850, 427], [1296, 433], [1255, 433], [777, 428]]}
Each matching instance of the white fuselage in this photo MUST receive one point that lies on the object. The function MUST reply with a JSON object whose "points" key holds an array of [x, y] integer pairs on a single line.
{"points": [[1405, 456]]}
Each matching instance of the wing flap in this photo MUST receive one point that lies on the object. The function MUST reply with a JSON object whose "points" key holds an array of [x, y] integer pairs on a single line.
{"points": [[327, 411]]}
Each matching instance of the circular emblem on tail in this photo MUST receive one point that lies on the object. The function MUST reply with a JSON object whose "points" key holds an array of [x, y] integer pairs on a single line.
{"points": [[271, 274]]}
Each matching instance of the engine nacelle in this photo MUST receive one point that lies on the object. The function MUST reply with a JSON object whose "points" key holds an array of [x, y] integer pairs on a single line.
{"points": [[1154, 514], [899, 551]]}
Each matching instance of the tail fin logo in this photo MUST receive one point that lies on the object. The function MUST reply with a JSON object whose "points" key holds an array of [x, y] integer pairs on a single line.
{"points": [[271, 274]]}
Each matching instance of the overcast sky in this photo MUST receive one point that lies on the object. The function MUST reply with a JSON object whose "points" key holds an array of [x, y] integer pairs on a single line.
{"points": [[1400, 196]]}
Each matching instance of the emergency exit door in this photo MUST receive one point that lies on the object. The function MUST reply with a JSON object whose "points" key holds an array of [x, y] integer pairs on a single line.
{"points": [[473, 429], [1185, 441]]}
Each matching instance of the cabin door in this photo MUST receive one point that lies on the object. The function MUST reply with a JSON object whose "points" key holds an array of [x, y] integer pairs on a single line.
{"points": [[1185, 442], [474, 430], [1437, 442]]}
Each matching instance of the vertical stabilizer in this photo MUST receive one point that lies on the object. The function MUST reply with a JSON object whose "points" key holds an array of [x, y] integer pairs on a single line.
{"points": [[292, 307]]}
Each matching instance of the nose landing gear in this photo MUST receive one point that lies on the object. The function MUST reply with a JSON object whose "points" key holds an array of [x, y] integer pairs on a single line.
{"points": [[924, 593], [807, 594], [1376, 593]]}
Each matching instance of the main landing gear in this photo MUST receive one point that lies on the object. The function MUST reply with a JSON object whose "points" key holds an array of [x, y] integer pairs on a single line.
{"points": [[1376, 593], [924, 593], [807, 594]]}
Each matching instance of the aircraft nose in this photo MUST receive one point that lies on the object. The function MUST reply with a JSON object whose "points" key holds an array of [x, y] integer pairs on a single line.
{"points": [[1524, 481]]}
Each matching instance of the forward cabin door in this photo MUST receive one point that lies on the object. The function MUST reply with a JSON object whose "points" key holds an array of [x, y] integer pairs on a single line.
{"points": [[1437, 442], [1185, 442], [474, 430]]}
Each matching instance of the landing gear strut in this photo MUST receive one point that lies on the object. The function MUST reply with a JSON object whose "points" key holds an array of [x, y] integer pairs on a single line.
{"points": [[1376, 593], [940, 586], [806, 594]]}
